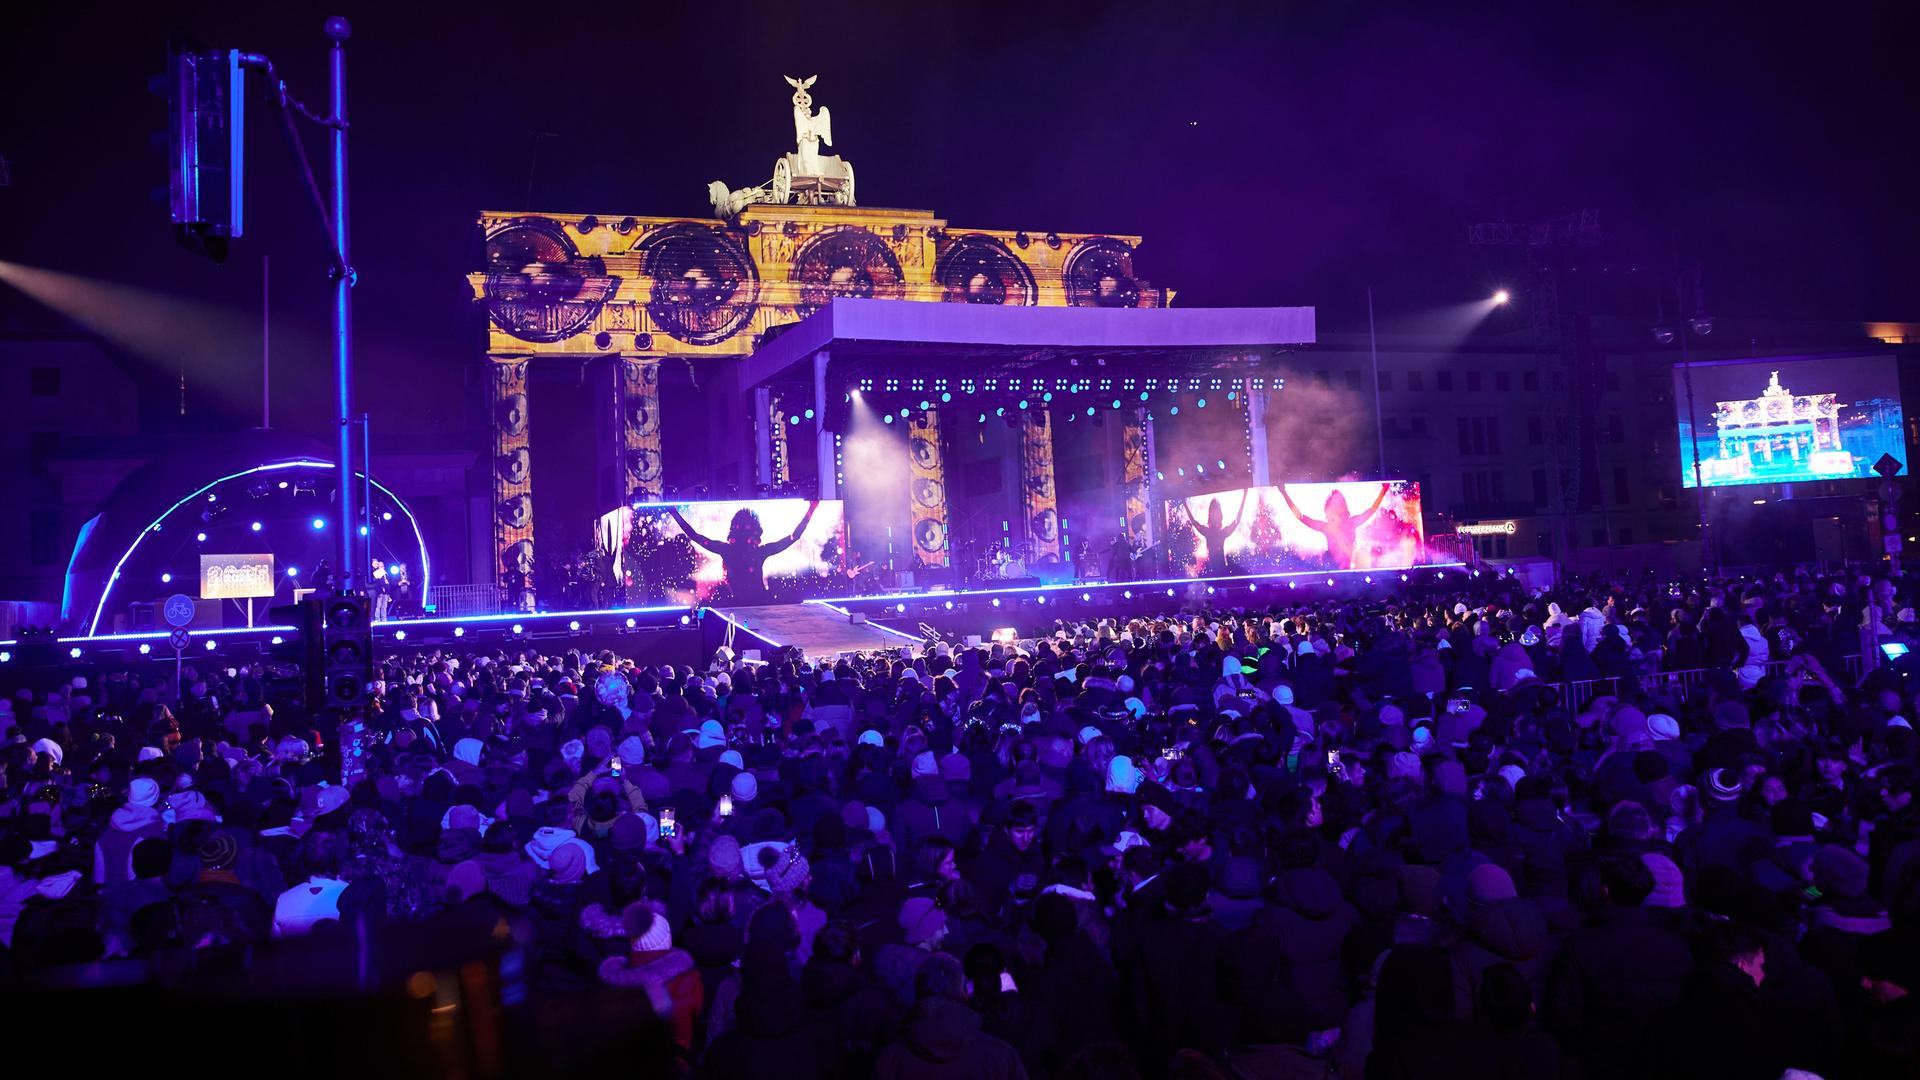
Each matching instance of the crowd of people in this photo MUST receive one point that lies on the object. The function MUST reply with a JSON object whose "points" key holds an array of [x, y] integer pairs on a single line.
{"points": [[1363, 838]]}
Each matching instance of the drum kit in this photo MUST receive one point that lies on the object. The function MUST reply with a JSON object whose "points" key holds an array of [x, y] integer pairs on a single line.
{"points": [[1001, 563]]}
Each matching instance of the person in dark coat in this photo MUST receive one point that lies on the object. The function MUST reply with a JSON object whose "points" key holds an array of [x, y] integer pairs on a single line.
{"points": [[771, 1035], [1174, 981], [1076, 983], [1008, 1014], [1617, 978], [1723, 1025], [942, 1038], [1307, 918]]}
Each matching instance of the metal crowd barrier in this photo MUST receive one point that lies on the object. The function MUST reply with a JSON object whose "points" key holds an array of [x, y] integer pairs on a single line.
{"points": [[1576, 695], [465, 599]]}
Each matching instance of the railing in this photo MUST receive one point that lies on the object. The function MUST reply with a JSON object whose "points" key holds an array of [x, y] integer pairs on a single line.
{"points": [[465, 599], [1575, 696]]}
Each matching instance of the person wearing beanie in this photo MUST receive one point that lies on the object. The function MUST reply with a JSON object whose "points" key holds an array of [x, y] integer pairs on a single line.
{"points": [[152, 857], [216, 905], [941, 1036], [723, 859], [665, 975], [1499, 928], [1669, 884], [129, 824], [923, 927], [1724, 831], [930, 808]]}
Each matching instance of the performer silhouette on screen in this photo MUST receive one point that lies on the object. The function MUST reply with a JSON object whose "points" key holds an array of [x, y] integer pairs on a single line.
{"points": [[743, 558], [1215, 534], [1342, 529]]}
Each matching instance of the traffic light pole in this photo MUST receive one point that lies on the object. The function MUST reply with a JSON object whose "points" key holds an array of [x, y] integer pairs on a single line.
{"points": [[352, 571]]}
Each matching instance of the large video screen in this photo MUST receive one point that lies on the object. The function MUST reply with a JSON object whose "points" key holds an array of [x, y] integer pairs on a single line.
{"points": [[1777, 421], [758, 552], [1346, 526]]}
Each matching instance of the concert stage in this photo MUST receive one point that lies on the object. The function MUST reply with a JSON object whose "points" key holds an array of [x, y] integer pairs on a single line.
{"points": [[831, 626]]}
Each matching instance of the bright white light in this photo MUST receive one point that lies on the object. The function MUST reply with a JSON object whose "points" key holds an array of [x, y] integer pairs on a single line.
{"points": [[256, 526], [517, 628], [202, 537], [293, 571], [900, 608], [145, 648], [212, 645], [386, 515], [319, 523], [686, 620], [1502, 297], [1086, 597], [633, 622], [6, 657], [996, 601], [277, 640], [399, 635], [949, 605], [573, 624], [74, 652], [166, 579], [459, 631]]}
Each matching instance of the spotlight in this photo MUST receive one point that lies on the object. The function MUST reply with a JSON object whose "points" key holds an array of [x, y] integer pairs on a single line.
{"points": [[1116, 403], [888, 418], [924, 405], [74, 652], [6, 657], [166, 579], [573, 624], [1127, 595], [145, 648], [201, 537], [319, 523], [1329, 581], [1089, 410], [944, 398], [900, 609], [1220, 464], [459, 631], [1501, 297], [1041, 600], [1023, 403], [904, 413], [632, 622], [1209, 590], [983, 418], [1143, 395], [363, 530], [1293, 584], [395, 570], [256, 526], [293, 571], [996, 601], [1403, 577], [386, 515], [1201, 468], [517, 628], [1086, 598], [1255, 587], [399, 635], [686, 620], [212, 645], [949, 605], [1169, 592], [1200, 403], [283, 485], [277, 640], [1000, 411], [1368, 579], [1175, 411]]}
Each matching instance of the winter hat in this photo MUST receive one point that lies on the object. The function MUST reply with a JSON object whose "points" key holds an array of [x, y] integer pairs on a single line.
{"points": [[1283, 695], [1450, 777], [870, 737], [1628, 820], [1669, 885], [219, 852], [629, 833], [733, 758], [788, 872], [745, 787], [146, 753], [1513, 774], [190, 805], [925, 764], [466, 881], [633, 752], [853, 814], [1723, 786], [468, 750], [1404, 766], [1663, 727], [1840, 872], [568, 863], [723, 857], [921, 918], [647, 927], [330, 799], [1122, 776], [956, 767], [1488, 883], [876, 821], [1629, 722], [1088, 734], [144, 791], [711, 734], [1241, 878], [1392, 714], [457, 845], [571, 751]]}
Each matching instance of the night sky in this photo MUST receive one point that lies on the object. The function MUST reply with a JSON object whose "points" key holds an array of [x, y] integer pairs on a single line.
{"points": [[1270, 153]]}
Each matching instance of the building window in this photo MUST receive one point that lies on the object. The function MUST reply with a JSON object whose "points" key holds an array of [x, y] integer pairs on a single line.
{"points": [[1420, 426], [1529, 380], [1540, 489], [1466, 436], [1466, 489], [1599, 538], [1502, 381], [1354, 382], [1444, 380], [1536, 431], [1499, 487], [43, 381], [41, 445], [43, 536], [1473, 380], [1386, 381], [1626, 534], [1622, 489], [1493, 436], [1416, 381]]}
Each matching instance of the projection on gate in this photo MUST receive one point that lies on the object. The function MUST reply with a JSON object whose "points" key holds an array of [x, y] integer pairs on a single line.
{"points": [[1777, 421], [1364, 525], [755, 552]]}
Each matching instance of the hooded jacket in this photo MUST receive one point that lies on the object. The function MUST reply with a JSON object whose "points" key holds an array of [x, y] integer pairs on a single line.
{"points": [[932, 810], [113, 852], [670, 981], [1309, 918], [1504, 932], [942, 1038]]}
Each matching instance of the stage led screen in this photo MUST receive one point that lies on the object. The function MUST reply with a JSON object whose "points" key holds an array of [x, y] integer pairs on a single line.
{"points": [[754, 552], [1361, 525], [1778, 421]]}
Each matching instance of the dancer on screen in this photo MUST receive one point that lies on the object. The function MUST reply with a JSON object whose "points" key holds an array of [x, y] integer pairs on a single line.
{"points": [[743, 558], [1214, 533], [1342, 529]]}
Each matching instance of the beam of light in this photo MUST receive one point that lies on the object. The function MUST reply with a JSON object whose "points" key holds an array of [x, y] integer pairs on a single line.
{"points": [[1501, 297], [172, 331]]}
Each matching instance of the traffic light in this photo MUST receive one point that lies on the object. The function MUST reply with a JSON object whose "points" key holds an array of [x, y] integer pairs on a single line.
{"points": [[206, 139], [308, 650], [349, 650]]}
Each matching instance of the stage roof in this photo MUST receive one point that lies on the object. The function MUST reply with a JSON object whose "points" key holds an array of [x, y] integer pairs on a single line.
{"points": [[863, 337]]}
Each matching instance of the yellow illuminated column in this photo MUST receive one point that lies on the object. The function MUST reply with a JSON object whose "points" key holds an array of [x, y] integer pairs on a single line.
{"points": [[927, 485], [1037, 488]]}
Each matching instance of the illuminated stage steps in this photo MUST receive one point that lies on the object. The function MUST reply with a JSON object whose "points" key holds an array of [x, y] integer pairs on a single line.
{"points": [[817, 629]]}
